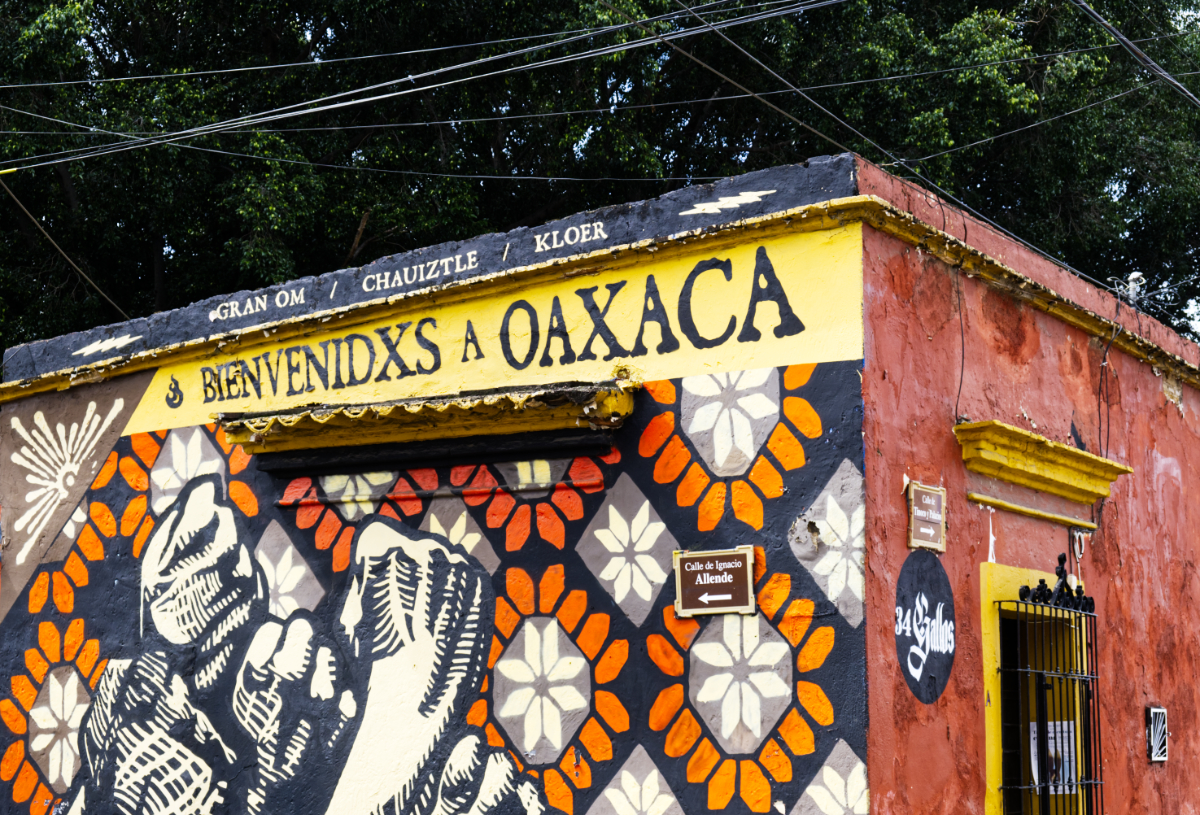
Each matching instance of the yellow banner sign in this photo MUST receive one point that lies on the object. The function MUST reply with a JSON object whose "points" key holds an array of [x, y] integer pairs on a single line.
{"points": [[777, 301]]}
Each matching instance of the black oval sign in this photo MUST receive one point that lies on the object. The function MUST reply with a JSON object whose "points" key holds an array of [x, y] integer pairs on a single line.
{"points": [[925, 625]]}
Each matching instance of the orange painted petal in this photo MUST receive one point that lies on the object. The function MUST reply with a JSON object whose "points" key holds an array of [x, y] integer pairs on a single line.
{"points": [[519, 587], [657, 431], [558, 794], [25, 784], [566, 499], [797, 376], [477, 715], [73, 639], [702, 762], [310, 509], [815, 650], [405, 497], [64, 595], [663, 655], [146, 447], [747, 506], [89, 543], [295, 491], [585, 475], [613, 456], [493, 736], [755, 788], [576, 769], [612, 711], [241, 495], [572, 610], [683, 629], [103, 518], [327, 531], [683, 735], [720, 786], [87, 658], [133, 514], [40, 593], [613, 660], [142, 535], [106, 472], [11, 762], [550, 526], [774, 594], [494, 654], [42, 800], [672, 461], [550, 588], [37, 664], [711, 508], [760, 563], [692, 486], [99, 668], [506, 618], [499, 509], [341, 552], [777, 764], [665, 707], [815, 702], [797, 735], [239, 459], [12, 717], [786, 448], [594, 632], [50, 641], [803, 416], [661, 391], [766, 478], [480, 488], [23, 691], [596, 741], [518, 528], [796, 621], [134, 475]]}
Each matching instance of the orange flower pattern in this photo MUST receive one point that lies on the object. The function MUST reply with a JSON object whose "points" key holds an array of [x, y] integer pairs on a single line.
{"points": [[594, 688]]}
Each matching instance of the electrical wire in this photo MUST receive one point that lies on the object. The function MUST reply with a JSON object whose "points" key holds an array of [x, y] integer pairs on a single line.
{"points": [[1138, 54], [1036, 124], [291, 111], [67, 257], [319, 62]]}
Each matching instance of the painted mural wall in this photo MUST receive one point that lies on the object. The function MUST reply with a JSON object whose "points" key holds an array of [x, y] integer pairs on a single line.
{"points": [[185, 632]]}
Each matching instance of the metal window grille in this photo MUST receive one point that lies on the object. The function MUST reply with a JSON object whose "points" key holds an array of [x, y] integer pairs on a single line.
{"points": [[1156, 733], [1049, 710]]}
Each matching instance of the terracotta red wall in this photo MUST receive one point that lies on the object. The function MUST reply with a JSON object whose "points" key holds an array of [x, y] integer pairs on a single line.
{"points": [[1028, 369]]}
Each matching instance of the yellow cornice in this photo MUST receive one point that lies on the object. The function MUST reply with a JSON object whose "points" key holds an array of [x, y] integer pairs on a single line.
{"points": [[1018, 456], [832, 214], [435, 418]]}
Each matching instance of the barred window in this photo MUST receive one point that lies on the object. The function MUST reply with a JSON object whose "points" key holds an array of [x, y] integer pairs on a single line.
{"points": [[1050, 726]]}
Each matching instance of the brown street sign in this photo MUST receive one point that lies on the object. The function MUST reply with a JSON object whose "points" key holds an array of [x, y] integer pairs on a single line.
{"points": [[926, 517], [714, 582]]}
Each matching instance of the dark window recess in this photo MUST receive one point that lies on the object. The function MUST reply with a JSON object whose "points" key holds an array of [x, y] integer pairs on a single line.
{"points": [[1049, 711]]}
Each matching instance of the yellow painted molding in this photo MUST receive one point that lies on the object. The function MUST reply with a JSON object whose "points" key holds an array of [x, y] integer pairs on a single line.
{"points": [[1053, 517], [996, 583], [1008, 453], [429, 419], [833, 214]]}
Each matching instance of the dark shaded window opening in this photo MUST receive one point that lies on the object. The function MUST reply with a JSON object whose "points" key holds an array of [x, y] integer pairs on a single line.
{"points": [[1050, 727]]}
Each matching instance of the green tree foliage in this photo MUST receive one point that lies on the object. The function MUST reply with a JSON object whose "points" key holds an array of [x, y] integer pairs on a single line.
{"points": [[1111, 188]]}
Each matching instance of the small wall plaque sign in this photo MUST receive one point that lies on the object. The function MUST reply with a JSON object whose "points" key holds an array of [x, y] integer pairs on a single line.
{"points": [[714, 582], [926, 517]]}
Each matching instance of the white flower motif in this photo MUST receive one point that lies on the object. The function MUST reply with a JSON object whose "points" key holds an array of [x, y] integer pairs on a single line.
{"points": [[183, 461], [841, 796], [631, 565], [458, 532], [751, 675], [357, 494], [844, 538], [546, 690], [282, 578], [54, 459], [732, 405], [56, 725], [639, 799]]}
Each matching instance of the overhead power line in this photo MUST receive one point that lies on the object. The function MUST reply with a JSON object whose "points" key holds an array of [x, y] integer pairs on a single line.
{"points": [[299, 109], [1138, 54], [67, 257]]}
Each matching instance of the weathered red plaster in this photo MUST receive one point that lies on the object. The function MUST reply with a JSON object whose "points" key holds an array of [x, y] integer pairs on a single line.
{"points": [[1028, 369]]}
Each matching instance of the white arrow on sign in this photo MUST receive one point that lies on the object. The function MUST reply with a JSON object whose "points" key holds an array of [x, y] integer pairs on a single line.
{"points": [[704, 598]]}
